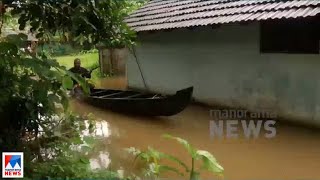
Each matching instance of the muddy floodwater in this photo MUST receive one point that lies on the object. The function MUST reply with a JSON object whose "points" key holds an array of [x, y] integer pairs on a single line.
{"points": [[294, 153]]}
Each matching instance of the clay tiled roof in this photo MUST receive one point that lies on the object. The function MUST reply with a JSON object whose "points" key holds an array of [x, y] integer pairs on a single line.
{"points": [[169, 14]]}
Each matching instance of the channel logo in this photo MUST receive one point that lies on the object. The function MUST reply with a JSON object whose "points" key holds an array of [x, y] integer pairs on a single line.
{"points": [[12, 165]]}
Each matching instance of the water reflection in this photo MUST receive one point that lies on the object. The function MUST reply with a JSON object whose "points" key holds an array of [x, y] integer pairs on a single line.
{"points": [[102, 161], [101, 131]]}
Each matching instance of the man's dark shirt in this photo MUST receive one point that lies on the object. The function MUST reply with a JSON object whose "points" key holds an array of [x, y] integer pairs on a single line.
{"points": [[81, 71]]}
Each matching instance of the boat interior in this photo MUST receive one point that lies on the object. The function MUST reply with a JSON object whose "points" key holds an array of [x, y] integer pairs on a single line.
{"points": [[119, 94]]}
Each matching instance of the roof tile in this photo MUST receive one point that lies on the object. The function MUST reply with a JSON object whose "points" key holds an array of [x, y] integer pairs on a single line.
{"points": [[168, 14]]}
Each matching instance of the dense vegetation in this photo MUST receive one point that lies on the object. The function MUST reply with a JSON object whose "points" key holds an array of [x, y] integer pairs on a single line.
{"points": [[33, 102]]}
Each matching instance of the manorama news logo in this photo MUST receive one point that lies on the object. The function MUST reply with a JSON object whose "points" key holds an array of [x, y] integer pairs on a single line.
{"points": [[12, 165]]}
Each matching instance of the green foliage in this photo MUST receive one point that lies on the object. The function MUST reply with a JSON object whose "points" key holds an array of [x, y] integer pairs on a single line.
{"points": [[67, 82], [131, 6], [81, 81], [33, 101], [89, 60], [152, 157], [192, 151], [88, 51], [31, 89], [10, 21], [208, 160], [87, 21], [64, 152], [57, 49], [31, 96], [96, 73], [29, 84]]}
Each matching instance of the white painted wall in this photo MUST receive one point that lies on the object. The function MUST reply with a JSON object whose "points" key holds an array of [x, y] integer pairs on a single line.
{"points": [[225, 66]]}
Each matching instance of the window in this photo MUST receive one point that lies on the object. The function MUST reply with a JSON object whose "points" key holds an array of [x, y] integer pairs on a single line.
{"points": [[290, 36]]}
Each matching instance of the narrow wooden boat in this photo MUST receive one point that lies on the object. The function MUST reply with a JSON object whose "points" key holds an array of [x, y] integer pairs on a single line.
{"points": [[139, 103]]}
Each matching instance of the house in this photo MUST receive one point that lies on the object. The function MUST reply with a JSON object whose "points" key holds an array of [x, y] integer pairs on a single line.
{"points": [[254, 54]]}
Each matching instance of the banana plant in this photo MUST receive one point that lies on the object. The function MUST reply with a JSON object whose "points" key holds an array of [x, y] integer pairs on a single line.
{"points": [[152, 157], [209, 162]]}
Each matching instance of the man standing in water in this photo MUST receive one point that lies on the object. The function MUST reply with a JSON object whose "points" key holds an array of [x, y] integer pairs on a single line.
{"points": [[77, 69]]}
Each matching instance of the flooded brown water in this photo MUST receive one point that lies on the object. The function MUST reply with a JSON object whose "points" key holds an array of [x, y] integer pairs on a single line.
{"points": [[293, 154]]}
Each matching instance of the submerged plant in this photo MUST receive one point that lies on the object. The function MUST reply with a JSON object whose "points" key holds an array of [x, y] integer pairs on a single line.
{"points": [[152, 157], [209, 162]]}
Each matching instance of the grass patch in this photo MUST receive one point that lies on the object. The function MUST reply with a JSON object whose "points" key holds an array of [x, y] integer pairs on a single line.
{"points": [[87, 60]]}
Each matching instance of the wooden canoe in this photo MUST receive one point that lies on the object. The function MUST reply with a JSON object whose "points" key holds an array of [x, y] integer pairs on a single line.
{"points": [[139, 103]]}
